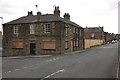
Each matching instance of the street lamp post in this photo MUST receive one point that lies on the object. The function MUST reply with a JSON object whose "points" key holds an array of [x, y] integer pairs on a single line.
{"points": [[1, 22]]}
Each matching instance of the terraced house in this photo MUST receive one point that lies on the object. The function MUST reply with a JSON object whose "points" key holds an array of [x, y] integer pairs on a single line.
{"points": [[42, 34]]}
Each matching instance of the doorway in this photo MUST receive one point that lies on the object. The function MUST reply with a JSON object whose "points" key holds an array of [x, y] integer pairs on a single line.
{"points": [[32, 48]]}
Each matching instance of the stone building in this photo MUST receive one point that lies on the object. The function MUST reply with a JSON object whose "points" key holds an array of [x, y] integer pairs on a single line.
{"points": [[108, 37], [42, 34], [93, 36]]}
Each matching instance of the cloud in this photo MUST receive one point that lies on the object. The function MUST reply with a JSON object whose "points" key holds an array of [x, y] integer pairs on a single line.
{"points": [[6, 8], [84, 12]]}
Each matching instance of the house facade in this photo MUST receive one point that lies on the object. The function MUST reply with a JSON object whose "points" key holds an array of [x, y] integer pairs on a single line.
{"points": [[42, 34], [93, 36]]}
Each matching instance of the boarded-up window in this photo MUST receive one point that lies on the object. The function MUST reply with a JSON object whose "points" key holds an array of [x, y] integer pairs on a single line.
{"points": [[66, 44], [49, 45], [18, 44]]}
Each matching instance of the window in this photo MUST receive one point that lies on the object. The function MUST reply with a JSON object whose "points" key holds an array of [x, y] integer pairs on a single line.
{"points": [[32, 29], [49, 45], [17, 44], [47, 28], [80, 32], [93, 36], [77, 43], [74, 43], [74, 30], [66, 31], [66, 44], [16, 30]]}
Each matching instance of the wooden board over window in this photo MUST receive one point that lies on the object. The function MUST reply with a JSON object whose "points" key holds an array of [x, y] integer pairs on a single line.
{"points": [[18, 44], [49, 45]]}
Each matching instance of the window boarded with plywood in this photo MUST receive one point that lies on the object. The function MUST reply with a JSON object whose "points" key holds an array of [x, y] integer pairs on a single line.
{"points": [[18, 44], [49, 45]]}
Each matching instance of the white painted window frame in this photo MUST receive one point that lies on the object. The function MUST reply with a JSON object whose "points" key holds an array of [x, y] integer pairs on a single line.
{"points": [[32, 29], [16, 30]]}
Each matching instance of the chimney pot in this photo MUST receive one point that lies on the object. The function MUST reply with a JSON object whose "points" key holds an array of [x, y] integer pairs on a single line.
{"points": [[67, 16], [57, 11], [38, 16], [30, 13]]}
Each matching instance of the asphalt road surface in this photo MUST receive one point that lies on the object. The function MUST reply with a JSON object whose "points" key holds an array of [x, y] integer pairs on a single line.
{"points": [[97, 62]]}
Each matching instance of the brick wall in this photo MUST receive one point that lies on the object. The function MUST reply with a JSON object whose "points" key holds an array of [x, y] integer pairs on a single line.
{"points": [[98, 35]]}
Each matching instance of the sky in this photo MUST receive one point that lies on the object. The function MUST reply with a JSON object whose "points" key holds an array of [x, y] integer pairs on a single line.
{"points": [[90, 13]]}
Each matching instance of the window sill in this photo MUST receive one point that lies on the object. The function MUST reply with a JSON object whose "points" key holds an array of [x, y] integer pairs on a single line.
{"points": [[18, 48], [49, 49], [66, 48]]}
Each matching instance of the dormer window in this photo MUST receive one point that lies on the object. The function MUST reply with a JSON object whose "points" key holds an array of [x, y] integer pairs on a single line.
{"points": [[16, 30], [47, 28]]}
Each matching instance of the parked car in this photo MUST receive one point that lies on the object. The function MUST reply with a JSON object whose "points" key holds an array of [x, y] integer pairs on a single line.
{"points": [[113, 41]]}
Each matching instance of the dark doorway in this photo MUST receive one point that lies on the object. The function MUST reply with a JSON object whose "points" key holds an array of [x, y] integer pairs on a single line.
{"points": [[32, 48]]}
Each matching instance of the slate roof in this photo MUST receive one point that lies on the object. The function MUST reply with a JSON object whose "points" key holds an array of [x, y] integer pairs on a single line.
{"points": [[43, 18], [93, 29]]}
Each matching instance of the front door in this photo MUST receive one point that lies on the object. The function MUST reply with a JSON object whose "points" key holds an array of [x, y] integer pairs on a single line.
{"points": [[32, 48]]}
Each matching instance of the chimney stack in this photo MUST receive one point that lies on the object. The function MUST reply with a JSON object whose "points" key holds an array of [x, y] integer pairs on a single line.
{"points": [[66, 16], [38, 16], [57, 11], [30, 13]]}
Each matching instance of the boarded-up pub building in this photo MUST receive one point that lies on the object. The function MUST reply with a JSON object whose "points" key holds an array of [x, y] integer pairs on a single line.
{"points": [[93, 36], [42, 34]]}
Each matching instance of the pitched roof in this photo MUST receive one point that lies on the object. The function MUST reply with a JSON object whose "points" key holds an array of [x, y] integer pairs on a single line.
{"points": [[93, 29], [43, 18]]}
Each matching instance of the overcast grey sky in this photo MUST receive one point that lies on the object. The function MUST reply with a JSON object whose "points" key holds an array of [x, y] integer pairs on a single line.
{"points": [[91, 13]]}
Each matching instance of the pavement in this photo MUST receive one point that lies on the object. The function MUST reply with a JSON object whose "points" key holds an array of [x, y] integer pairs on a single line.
{"points": [[40, 56], [31, 56], [118, 69], [97, 62]]}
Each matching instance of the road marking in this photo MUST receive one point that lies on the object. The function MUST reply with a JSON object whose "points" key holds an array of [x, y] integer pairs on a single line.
{"points": [[48, 76], [32, 66], [108, 47], [25, 67], [8, 71], [16, 69]]}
